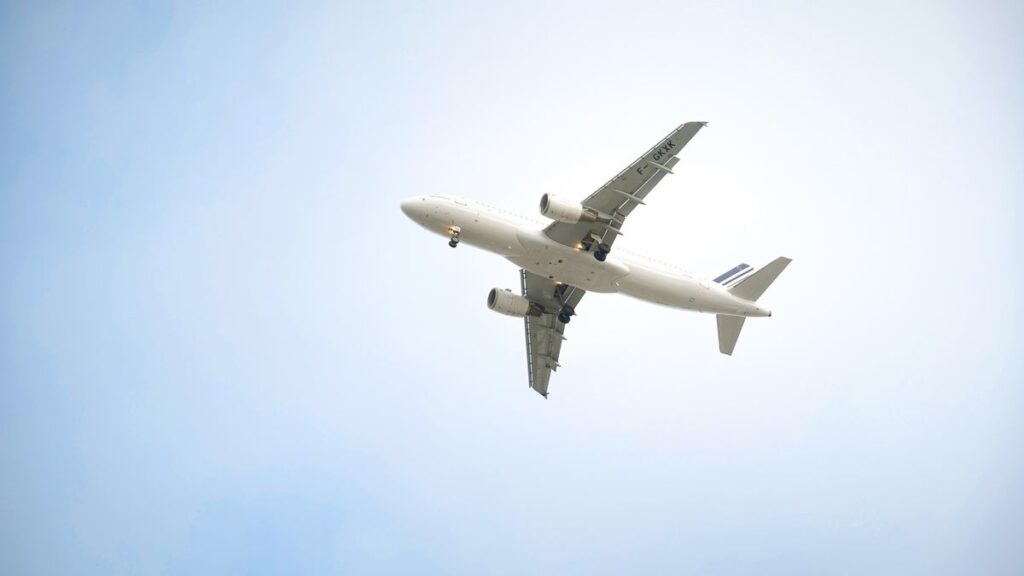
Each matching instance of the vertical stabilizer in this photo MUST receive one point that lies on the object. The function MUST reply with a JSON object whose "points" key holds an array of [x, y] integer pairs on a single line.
{"points": [[751, 287], [728, 331]]}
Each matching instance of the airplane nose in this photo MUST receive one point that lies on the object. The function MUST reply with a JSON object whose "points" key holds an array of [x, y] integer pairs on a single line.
{"points": [[407, 207]]}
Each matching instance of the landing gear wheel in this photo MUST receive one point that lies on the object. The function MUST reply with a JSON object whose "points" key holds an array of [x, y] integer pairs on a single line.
{"points": [[565, 314], [453, 243], [600, 255], [454, 232]]}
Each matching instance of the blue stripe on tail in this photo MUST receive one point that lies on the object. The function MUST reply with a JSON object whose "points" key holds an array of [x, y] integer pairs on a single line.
{"points": [[728, 275]]}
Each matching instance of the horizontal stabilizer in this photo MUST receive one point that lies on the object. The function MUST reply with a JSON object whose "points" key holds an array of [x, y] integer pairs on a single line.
{"points": [[751, 287], [728, 332]]}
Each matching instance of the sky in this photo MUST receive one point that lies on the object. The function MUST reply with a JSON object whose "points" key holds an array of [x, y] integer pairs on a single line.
{"points": [[226, 350]]}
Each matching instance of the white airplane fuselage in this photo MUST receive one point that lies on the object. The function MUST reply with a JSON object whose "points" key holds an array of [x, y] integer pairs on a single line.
{"points": [[524, 243]]}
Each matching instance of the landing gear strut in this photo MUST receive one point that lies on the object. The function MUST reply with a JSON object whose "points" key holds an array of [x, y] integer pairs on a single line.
{"points": [[453, 233]]}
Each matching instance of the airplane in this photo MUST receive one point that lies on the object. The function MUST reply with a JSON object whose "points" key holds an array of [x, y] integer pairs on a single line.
{"points": [[571, 255]]}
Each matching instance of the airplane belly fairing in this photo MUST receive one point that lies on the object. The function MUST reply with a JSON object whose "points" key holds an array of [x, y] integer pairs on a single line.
{"points": [[567, 265]]}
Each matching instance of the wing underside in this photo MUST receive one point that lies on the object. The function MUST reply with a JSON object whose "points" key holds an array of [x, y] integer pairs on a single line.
{"points": [[618, 197], [545, 333]]}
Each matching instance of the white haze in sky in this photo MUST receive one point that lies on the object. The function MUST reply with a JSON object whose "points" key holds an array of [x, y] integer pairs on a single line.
{"points": [[226, 350]]}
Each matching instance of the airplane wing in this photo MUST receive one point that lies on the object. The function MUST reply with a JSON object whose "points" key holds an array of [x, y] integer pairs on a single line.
{"points": [[620, 195], [544, 333]]}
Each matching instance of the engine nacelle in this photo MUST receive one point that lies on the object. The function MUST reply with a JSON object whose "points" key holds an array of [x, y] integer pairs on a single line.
{"points": [[565, 211], [505, 302]]}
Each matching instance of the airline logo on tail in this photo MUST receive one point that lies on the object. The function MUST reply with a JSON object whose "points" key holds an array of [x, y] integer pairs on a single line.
{"points": [[734, 275]]}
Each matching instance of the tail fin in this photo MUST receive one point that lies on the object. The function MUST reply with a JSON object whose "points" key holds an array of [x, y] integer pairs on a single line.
{"points": [[728, 332], [749, 284], [753, 285]]}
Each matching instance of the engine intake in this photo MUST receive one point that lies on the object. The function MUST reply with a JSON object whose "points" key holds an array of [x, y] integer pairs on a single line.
{"points": [[505, 302], [564, 211]]}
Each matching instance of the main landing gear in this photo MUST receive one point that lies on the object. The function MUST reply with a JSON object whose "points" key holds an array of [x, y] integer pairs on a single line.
{"points": [[601, 249], [453, 233], [565, 314]]}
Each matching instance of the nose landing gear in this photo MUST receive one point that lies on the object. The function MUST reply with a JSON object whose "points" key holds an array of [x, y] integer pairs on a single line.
{"points": [[453, 234]]}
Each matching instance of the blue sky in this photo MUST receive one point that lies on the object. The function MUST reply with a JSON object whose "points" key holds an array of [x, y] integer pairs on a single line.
{"points": [[225, 350]]}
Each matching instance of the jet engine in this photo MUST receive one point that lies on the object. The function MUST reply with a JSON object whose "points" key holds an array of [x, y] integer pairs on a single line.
{"points": [[565, 211], [505, 302]]}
